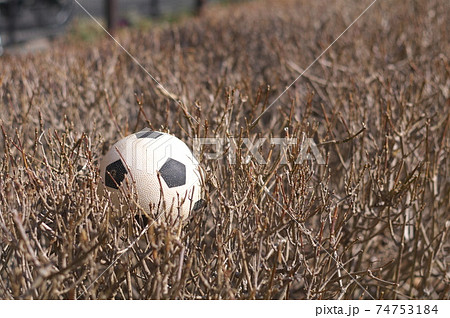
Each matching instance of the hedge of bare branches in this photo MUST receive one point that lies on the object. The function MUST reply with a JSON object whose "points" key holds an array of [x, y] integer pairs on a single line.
{"points": [[372, 222]]}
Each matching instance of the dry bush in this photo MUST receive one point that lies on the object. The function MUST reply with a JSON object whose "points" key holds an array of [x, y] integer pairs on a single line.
{"points": [[371, 222]]}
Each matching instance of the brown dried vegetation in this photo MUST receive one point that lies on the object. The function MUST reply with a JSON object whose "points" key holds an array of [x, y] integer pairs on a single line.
{"points": [[371, 222]]}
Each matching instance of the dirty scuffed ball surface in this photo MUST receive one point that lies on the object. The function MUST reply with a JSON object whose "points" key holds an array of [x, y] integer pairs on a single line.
{"points": [[160, 167]]}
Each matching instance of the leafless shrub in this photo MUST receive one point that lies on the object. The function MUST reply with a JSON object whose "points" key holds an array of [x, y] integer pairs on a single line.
{"points": [[371, 222]]}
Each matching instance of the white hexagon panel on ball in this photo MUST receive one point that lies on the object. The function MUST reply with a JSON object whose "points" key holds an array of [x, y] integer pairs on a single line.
{"points": [[160, 167]]}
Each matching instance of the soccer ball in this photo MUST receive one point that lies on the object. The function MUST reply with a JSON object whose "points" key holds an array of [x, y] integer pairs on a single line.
{"points": [[160, 168]]}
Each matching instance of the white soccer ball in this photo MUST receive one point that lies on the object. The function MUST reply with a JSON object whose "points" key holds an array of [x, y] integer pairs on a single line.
{"points": [[160, 168]]}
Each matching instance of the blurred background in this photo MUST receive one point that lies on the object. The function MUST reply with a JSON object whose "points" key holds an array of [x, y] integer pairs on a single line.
{"points": [[22, 21]]}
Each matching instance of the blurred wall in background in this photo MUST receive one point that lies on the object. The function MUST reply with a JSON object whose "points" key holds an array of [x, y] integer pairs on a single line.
{"points": [[143, 7], [21, 21]]}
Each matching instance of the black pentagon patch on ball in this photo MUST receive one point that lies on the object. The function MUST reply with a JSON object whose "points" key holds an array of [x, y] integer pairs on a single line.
{"points": [[148, 134], [174, 173], [199, 204], [114, 174]]}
